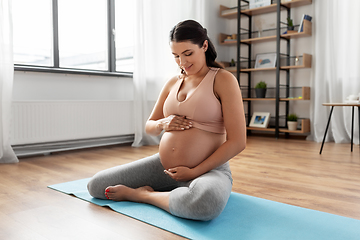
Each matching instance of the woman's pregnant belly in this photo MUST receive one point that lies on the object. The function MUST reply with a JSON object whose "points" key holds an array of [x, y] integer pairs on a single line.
{"points": [[188, 147]]}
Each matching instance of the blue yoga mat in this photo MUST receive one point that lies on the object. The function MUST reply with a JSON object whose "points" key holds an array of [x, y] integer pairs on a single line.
{"points": [[244, 217]]}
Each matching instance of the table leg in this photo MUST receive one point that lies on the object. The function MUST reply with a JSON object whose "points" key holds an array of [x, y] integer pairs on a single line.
{"points": [[327, 127], [352, 127], [359, 124]]}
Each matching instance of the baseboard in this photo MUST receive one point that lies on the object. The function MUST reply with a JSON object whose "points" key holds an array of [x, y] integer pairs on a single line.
{"points": [[48, 148]]}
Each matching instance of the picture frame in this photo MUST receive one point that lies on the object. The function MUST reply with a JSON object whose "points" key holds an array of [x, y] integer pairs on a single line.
{"points": [[259, 3], [260, 120], [265, 60]]}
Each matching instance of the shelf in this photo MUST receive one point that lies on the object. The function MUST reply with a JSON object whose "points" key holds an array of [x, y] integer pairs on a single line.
{"points": [[259, 99], [305, 128], [305, 94], [259, 40], [232, 12], [306, 63], [306, 33], [223, 36], [307, 58], [297, 3], [273, 99], [261, 129], [257, 69]]}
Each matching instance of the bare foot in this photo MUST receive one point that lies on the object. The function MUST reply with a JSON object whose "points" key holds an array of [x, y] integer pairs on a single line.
{"points": [[124, 193]]}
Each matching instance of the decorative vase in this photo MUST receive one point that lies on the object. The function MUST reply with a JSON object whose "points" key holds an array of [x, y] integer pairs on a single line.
{"points": [[260, 92], [292, 126]]}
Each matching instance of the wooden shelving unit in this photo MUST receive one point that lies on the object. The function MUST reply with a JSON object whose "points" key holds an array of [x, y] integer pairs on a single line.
{"points": [[283, 62]]}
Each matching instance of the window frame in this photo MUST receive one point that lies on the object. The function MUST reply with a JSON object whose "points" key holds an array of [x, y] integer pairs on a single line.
{"points": [[111, 71]]}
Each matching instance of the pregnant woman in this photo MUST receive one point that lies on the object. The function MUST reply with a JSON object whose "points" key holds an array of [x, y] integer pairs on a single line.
{"points": [[202, 116]]}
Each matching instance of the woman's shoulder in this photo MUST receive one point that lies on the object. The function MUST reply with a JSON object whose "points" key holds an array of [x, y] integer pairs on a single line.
{"points": [[225, 83], [174, 79], [171, 82], [224, 77]]}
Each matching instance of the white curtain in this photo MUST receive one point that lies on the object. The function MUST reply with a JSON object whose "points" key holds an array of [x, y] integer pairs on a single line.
{"points": [[336, 67], [154, 63], [7, 155]]}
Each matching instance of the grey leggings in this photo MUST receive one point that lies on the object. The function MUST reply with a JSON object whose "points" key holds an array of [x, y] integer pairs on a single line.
{"points": [[203, 198]]}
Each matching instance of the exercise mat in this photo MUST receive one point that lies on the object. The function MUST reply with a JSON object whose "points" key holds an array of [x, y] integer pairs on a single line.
{"points": [[244, 217]]}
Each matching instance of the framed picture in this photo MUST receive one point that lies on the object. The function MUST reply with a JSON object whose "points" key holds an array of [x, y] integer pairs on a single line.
{"points": [[259, 3], [265, 60], [260, 119]]}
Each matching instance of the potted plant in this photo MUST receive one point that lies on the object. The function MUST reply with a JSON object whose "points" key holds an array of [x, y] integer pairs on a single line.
{"points": [[292, 122], [260, 89], [290, 24]]}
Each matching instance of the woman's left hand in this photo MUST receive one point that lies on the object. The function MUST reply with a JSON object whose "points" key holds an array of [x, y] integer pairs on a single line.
{"points": [[181, 174]]}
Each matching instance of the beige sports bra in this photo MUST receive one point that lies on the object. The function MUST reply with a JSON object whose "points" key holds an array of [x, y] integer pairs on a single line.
{"points": [[201, 106]]}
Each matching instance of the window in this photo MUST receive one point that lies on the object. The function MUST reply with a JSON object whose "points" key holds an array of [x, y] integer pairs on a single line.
{"points": [[83, 34], [74, 34], [32, 32], [124, 43]]}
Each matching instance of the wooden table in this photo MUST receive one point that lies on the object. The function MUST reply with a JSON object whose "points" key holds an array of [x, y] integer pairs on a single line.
{"points": [[353, 105]]}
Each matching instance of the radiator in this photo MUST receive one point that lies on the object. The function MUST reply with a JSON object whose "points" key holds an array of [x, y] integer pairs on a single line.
{"points": [[36, 122]]}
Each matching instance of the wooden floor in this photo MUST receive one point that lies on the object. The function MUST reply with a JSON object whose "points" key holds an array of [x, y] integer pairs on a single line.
{"points": [[288, 171]]}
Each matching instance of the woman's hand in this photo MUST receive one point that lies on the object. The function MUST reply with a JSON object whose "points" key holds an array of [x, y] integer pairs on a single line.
{"points": [[181, 174], [175, 123]]}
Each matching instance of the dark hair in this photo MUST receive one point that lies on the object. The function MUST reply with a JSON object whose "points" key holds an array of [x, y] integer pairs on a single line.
{"points": [[192, 31]]}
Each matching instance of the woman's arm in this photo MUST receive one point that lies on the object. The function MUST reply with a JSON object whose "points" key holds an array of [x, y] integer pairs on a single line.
{"points": [[157, 121], [227, 89]]}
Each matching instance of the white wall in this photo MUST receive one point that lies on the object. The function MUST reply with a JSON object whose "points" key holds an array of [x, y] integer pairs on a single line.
{"points": [[34, 86]]}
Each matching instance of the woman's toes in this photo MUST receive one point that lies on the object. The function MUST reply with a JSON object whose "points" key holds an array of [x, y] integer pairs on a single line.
{"points": [[116, 193]]}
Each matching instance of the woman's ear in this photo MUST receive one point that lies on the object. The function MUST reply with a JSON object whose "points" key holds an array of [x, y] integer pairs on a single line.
{"points": [[205, 45]]}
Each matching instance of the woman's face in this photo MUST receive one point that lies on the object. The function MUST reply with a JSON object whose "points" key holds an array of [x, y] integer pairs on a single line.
{"points": [[190, 57]]}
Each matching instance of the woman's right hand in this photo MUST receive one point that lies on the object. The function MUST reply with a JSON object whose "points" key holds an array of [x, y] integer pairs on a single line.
{"points": [[175, 123]]}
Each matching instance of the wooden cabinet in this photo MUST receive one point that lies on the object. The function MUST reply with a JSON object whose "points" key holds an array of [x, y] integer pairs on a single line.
{"points": [[285, 62]]}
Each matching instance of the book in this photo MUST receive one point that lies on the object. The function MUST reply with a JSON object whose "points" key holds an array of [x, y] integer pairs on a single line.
{"points": [[301, 23], [304, 17]]}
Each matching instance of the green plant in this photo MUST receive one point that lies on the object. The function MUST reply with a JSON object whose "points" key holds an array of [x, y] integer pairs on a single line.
{"points": [[260, 85], [292, 117], [290, 22]]}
